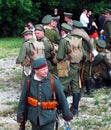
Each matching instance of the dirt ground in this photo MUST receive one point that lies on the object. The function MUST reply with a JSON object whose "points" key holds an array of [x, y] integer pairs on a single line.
{"points": [[10, 89]]}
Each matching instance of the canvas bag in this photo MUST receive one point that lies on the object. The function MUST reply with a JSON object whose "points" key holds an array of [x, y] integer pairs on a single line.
{"points": [[63, 68], [36, 50], [75, 47]]}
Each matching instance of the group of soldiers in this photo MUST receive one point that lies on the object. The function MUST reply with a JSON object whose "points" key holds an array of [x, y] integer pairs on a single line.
{"points": [[69, 53]]}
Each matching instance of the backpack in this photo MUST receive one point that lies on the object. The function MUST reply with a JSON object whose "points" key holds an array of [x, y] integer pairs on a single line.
{"points": [[75, 47], [36, 49]]}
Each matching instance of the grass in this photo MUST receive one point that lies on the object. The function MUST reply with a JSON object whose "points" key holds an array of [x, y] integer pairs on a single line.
{"points": [[9, 47], [17, 77], [97, 114], [93, 115], [12, 102], [3, 87]]}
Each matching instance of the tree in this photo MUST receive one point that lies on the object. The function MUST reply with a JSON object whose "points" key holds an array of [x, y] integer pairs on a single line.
{"points": [[14, 14]]}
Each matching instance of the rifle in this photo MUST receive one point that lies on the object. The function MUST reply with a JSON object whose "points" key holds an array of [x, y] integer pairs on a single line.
{"points": [[54, 95], [24, 116]]}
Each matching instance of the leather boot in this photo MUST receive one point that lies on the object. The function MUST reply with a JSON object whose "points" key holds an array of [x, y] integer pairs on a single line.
{"points": [[88, 86], [98, 83], [76, 98]]}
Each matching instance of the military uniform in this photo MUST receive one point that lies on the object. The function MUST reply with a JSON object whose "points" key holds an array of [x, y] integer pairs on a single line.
{"points": [[48, 47], [73, 75], [24, 55], [42, 118], [50, 33], [107, 30], [24, 51], [69, 16], [86, 63], [56, 25], [101, 66], [53, 36]]}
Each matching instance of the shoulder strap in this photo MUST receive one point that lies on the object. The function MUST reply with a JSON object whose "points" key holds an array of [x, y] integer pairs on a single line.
{"points": [[28, 84], [53, 86]]}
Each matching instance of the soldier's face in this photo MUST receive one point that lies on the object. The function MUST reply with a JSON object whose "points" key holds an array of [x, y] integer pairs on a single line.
{"points": [[42, 73], [28, 36], [39, 34]]}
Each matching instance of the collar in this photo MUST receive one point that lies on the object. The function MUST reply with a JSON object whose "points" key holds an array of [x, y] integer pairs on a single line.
{"points": [[64, 35], [46, 27], [36, 78]]}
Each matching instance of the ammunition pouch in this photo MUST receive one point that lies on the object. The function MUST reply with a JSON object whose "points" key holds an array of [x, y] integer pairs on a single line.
{"points": [[33, 102], [45, 105]]}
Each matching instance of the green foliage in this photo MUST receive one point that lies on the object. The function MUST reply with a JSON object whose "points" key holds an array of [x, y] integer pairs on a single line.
{"points": [[14, 14], [12, 102], [17, 13]]}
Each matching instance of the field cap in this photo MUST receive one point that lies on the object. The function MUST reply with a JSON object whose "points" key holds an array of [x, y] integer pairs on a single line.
{"points": [[27, 31], [55, 18], [77, 24], [66, 27], [68, 14], [39, 27], [108, 11], [47, 19], [39, 63], [101, 43]]}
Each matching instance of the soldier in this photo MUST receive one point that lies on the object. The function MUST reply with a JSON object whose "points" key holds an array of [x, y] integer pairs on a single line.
{"points": [[68, 18], [69, 67], [88, 48], [32, 49], [50, 33], [40, 100], [24, 54], [107, 30], [101, 64], [55, 24], [40, 36]]}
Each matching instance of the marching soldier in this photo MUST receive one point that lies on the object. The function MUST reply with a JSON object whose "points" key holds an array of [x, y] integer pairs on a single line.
{"points": [[32, 49], [68, 64], [24, 54], [86, 64], [41, 97], [68, 18], [107, 30], [40, 36], [52, 35]]}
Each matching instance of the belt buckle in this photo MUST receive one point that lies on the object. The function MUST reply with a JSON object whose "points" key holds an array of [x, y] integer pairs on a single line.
{"points": [[39, 103]]}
